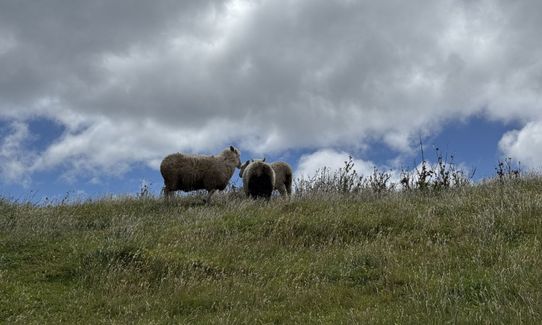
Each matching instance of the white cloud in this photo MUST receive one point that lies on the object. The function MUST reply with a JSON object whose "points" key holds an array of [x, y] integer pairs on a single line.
{"points": [[14, 158], [332, 160], [133, 80], [114, 145], [524, 145], [311, 164]]}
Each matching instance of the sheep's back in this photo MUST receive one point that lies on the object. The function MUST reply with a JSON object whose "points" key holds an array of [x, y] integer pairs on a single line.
{"points": [[188, 173], [258, 180], [283, 172]]}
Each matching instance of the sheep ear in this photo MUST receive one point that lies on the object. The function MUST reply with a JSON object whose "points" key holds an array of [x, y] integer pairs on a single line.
{"points": [[247, 162], [263, 159], [232, 148]]}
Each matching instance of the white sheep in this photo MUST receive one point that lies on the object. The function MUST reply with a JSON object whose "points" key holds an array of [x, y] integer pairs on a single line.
{"points": [[195, 172], [283, 177]]}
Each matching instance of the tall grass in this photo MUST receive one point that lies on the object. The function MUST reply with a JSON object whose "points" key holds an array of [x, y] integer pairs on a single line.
{"points": [[343, 249]]}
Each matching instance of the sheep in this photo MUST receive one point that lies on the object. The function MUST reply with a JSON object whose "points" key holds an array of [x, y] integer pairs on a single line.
{"points": [[190, 172], [258, 179], [283, 178]]}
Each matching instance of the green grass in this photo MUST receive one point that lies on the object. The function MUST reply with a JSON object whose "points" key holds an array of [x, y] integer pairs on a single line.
{"points": [[470, 255]]}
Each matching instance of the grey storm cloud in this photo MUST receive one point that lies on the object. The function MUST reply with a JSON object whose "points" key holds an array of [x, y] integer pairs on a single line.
{"points": [[58, 45], [132, 80]]}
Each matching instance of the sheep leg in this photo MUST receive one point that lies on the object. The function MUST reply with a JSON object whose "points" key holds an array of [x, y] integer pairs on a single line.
{"points": [[247, 193], [210, 193], [282, 190], [167, 193]]}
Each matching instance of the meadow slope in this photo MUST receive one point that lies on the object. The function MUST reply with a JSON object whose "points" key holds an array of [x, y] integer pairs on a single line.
{"points": [[472, 254]]}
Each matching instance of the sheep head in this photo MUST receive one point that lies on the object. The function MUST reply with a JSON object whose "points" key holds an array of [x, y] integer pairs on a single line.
{"points": [[243, 167], [234, 154]]}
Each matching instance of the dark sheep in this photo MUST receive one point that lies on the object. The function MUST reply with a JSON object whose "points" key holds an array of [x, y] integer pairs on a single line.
{"points": [[258, 179]]}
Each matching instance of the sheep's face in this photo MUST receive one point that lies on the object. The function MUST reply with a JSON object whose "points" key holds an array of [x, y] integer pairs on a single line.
{"points": [[236, 156]]}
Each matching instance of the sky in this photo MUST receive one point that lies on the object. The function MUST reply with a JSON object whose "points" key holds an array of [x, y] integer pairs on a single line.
{"points": [[93, 94]]}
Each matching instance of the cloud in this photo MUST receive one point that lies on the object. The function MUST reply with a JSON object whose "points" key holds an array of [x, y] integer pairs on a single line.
{"points": [[134, 80], [524, 145], [114, 147], [14, 158], [333, 160], [310, 165]]}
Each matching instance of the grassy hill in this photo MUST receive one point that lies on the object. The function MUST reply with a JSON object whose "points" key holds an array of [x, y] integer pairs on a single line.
{"points": [[471, 254]]}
